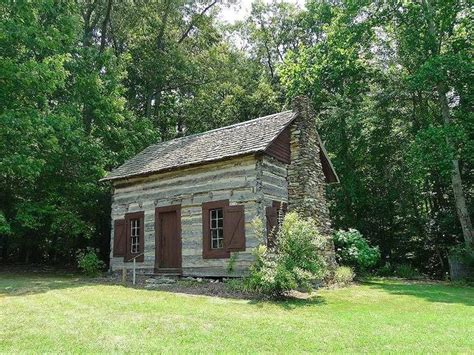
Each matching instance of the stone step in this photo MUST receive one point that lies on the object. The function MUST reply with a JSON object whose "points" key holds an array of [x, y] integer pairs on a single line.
{"points": [[152, 281], [174, 277], [172, 273]]}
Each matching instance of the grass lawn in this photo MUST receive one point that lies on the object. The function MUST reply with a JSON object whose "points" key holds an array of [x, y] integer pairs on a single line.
{"points": [[64, 313]]}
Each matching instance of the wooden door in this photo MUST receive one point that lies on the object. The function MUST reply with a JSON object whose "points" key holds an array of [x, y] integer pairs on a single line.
{"points": [[168, 238]]}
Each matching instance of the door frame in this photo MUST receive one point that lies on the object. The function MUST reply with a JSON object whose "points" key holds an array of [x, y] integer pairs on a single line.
{"points": [[158, 236]]}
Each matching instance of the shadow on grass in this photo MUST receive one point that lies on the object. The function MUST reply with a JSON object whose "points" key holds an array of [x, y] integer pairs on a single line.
{"points": [[17, 283], [441, 292], [21, 284], [291, 303], [222, 290]]}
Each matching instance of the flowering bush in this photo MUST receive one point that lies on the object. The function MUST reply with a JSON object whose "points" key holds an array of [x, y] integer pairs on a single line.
{"points": [[294, 261], [353, 250]]}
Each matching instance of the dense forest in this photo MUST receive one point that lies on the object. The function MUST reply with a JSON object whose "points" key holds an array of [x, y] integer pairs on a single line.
{"points": [[86, 84]]}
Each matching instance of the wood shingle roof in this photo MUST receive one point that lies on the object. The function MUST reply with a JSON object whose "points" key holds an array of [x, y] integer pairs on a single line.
{"points": [[239, 139]]}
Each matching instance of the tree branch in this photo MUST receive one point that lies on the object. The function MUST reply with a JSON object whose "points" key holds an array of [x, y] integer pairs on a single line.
{"points": [[193, 21], [103, 32], [161, 32]]}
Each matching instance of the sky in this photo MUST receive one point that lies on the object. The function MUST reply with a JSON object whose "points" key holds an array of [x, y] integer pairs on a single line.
{"points": [[242, 9]]}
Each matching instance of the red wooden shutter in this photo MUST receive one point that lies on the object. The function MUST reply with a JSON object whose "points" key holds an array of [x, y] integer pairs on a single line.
{"points": [[272, 224], [128, 255], [119, 238], [142, 237], [234, 228], [206, 237]]}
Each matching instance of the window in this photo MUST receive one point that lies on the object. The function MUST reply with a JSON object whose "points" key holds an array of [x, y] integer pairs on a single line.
{"points": [[134, 245], [223, 229], [135, 236], [217, 228]]}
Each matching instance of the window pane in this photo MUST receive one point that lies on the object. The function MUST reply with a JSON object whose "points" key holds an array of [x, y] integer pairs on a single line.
{"points": [[135, 236], [214, 238], [216, 228]]}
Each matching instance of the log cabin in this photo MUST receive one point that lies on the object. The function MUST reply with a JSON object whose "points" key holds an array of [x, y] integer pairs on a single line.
{"points": [[186, 206]]}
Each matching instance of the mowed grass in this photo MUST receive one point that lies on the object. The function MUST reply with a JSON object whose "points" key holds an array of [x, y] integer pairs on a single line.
{"points": [[66, 314]]}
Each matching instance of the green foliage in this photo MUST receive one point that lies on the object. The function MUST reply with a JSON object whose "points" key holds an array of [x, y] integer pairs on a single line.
{"points": [[373, 73], [231, 262], [352, 249], [235, 284], [461, 253], [344, 275], [406, 271], [83, 89], [430, 153], [294, 262], [385, 270], [89, 262]]}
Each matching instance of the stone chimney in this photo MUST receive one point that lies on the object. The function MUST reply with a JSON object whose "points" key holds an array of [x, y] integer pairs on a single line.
{"points": [[306, 180]]}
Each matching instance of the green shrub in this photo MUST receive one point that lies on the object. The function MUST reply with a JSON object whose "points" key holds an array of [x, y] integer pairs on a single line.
{"points": [[464, 255], [353, 250], [235, 285], [89, 263], [386, 270], [231, 263], [294, 261], [461, 261], [344, 275], [406, 271]]}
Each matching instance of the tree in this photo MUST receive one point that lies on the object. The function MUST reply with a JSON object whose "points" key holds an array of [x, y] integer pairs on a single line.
{"points": [[372, 75], [63, 125], [436, 37], [87, 84]]}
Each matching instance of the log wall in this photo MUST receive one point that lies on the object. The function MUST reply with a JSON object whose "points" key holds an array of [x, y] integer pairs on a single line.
{"points": [[274, 180], [239, 180]]}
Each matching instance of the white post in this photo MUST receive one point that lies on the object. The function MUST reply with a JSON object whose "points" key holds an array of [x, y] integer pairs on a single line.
{"points": [[134, 265]]}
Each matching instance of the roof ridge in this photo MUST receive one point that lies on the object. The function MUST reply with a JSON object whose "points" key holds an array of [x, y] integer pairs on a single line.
{"points": [[219, 128]]}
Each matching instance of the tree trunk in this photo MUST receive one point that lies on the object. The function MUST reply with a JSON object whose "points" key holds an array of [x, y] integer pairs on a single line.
{"points": [[103, 34], [27, 255], [4, 240], [456, 181]]}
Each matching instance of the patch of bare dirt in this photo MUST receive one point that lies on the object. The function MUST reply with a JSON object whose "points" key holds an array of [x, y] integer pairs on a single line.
{"points": [[194, 286]]}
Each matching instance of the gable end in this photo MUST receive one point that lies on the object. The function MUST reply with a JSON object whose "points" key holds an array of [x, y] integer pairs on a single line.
{"points": [[280, 147]]}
